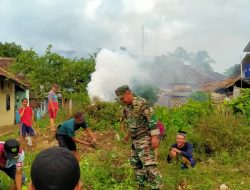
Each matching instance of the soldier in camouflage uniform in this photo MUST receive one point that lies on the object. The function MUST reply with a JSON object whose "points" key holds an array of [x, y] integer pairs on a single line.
{"points": [[144, 134]]}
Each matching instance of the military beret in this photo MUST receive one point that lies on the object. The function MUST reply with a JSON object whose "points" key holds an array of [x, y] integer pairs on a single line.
{"points": [[121, 90]]}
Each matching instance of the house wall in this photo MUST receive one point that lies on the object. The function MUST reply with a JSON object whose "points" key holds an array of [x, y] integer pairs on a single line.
{"points": [[7, 117]]}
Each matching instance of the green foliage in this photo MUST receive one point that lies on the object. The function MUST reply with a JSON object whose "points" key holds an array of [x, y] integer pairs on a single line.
{"points": [[43, 71], [107, 170], [210, 132], [149, 92], [10, 49], [225, 136], [185, 116], [200, 96], [241, 104], [103, 115], [221, 134], [233, 71], [80, 100]]}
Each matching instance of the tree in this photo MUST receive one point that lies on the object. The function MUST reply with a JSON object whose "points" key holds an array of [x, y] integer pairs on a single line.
{"points": [[42, 71], [202, 61], [10, 49], [149, 92], [233, 71]]}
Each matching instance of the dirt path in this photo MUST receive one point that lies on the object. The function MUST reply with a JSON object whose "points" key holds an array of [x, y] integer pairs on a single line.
{"points": [[45, 139], [106, 140], [5, 130]]}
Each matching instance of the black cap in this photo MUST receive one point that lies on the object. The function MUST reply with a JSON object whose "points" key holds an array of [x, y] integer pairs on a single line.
{"points": [[11, 148], [55, 169]]}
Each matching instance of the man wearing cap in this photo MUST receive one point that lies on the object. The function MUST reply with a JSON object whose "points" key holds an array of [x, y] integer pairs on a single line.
{"points": [[181, 151], [65, 133], [11, 161], [61, 160], [53, 105], [141, 120]]}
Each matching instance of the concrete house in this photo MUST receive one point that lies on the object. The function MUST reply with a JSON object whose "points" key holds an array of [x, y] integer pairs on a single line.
{"points": [[12, 90]]}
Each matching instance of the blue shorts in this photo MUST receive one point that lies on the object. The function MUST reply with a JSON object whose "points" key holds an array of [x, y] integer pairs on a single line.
{"points": [[26, 130]]}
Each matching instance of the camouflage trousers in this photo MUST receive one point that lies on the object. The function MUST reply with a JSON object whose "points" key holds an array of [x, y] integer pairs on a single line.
{"points": [[144, 164]]}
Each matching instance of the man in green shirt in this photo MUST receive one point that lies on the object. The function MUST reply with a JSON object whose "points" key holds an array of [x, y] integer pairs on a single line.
{"points": [[65, 134]]}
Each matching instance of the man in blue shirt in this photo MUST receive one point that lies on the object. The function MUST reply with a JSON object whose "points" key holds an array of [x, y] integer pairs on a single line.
{"points": [[181, 150], [65, 134]]}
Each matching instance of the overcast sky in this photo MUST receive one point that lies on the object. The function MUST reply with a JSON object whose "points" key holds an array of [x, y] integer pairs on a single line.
{"points": [[221, 27]]}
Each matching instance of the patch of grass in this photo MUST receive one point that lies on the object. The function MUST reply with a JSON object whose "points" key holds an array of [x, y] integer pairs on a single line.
{"points": [[225, 136]]}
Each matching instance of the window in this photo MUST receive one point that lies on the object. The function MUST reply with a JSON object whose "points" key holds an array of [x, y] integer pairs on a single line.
{"points": [[7, 102], [1, 85]]}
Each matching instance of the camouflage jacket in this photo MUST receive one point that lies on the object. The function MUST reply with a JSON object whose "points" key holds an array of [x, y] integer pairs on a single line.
{"points": [[140, 119]]}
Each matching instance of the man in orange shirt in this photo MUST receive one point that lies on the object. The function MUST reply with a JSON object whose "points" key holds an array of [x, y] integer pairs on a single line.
{"points": [[26, 117]]}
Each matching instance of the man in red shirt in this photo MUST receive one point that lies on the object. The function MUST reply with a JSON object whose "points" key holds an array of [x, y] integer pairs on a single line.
{"points": [[26, 117]]}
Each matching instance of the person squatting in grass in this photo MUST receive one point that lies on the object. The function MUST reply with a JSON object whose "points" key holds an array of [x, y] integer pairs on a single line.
{"points": [[65, 133], [27, 119], [11, 161], [144, 135], [53, 105], [181, 151], [55, 168]]}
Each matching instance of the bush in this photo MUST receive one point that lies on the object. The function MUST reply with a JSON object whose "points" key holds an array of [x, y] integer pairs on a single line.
{"points": [[218, 134], [184, 116], [103, 115], [241, 104], [200, 96]]}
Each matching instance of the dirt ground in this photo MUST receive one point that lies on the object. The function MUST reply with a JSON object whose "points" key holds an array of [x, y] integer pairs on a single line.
{"points": [[45, 139], [5, 130]]}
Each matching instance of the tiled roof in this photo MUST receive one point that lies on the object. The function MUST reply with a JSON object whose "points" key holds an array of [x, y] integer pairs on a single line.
{"points": [[10, 76], [213, 86], [5, 61]]}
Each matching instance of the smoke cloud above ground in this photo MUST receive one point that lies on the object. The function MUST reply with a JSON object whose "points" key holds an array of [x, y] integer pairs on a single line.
{"points": [[114, 69]]}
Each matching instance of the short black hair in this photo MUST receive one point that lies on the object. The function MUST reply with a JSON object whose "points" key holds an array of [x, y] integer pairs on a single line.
{"points": [[55, 168], [24, 99]]}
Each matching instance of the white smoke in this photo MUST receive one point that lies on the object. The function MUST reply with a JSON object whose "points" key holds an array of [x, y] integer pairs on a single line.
{"points": [[114, 69]]}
